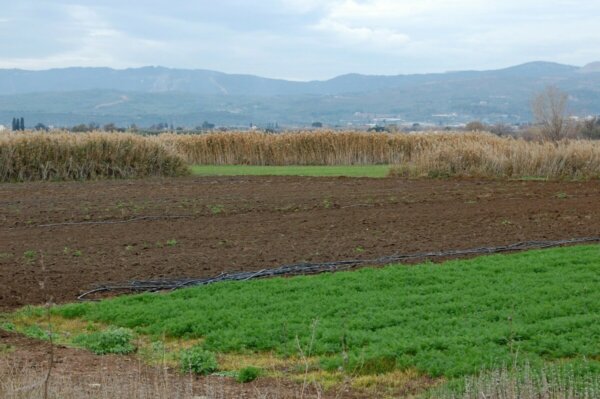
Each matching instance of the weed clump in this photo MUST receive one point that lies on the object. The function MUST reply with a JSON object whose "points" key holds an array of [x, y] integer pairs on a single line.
{"points": [[198, 361], [248, 374], [114, 340]]}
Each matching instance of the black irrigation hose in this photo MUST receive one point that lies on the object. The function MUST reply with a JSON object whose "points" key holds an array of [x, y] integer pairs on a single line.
{"points": [[314, 268]]}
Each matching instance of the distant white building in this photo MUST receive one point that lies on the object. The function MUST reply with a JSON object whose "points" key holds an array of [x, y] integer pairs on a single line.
{"points": [[2, 128]]}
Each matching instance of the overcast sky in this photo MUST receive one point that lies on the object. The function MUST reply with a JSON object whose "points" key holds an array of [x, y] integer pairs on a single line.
{"points": [[298, 39]]}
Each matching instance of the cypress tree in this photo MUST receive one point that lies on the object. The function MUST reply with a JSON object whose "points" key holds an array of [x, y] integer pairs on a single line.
{"points": [[14, 124], [22, 123]]}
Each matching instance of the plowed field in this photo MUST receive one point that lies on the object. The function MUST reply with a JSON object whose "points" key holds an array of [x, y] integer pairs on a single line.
{"points": [[94, 232]]}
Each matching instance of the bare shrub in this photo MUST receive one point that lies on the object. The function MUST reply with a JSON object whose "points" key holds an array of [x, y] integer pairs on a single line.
{"points": [[549, 109], [475, 126], [589, 129]]}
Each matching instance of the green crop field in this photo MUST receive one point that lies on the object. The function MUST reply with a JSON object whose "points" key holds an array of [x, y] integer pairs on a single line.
{"points": [[451, 319], [250, 170]]}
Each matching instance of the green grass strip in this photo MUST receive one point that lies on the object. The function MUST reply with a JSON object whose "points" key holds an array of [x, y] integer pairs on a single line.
{"points": [[315, 171], [451, 319]]}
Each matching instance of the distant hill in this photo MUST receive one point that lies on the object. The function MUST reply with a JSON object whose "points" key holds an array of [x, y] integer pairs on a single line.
{"points": [[593, 67], [151, 95]]}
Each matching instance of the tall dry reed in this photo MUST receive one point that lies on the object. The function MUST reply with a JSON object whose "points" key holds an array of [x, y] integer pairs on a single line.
{"points": [[47, 156], [424, 154], [302, 148], [488, 156], [69, 156]]}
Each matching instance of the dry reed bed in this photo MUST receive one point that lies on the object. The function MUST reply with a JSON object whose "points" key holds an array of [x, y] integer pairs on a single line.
{"points": [[67, 156], [488, 156], [64, 156], [426, 154], [301, 148]]}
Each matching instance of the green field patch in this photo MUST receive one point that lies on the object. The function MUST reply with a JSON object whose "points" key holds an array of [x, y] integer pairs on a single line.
{"points": [[315, 171], [529, 320], [447, 320]]}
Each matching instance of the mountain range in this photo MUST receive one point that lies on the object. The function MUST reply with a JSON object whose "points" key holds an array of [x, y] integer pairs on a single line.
{"points": [[151, 95]]}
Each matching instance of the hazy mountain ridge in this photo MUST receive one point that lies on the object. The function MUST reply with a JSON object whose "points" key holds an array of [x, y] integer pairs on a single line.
{"points": [[154, 94]]}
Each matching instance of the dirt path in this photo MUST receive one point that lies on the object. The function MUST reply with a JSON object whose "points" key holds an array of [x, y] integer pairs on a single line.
{"points": [[204, 226]]}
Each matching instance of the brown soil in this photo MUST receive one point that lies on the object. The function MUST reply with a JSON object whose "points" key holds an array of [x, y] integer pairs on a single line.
{"points": [[248, 223]]}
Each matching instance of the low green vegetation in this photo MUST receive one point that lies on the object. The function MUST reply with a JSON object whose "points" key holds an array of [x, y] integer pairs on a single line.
{"points": [[453, 319], [5, 348], [113, 340], [248, 374], [198, 361], [251, 170], [29, 256]]}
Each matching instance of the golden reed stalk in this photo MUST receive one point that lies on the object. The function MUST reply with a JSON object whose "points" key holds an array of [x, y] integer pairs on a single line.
{"points": [[68, 156], [48, 156]]}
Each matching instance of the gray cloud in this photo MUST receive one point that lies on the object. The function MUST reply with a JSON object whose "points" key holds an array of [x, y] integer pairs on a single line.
{"points": [[299, 39]]}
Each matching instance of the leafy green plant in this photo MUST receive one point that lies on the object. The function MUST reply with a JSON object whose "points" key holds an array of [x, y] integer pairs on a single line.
{"points": [[171, 243], [562, 195], [76, 253], [113, 340], [8, 326], [30, 255], [248, 374], [36, 332], [198, 361], [216, 209]]}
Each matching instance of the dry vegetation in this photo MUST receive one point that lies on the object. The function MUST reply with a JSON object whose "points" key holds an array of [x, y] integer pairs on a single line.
{"points": [[426, 154], [65, 156], [27, 381], [303, 148], [549, 382], [488, 156]]}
